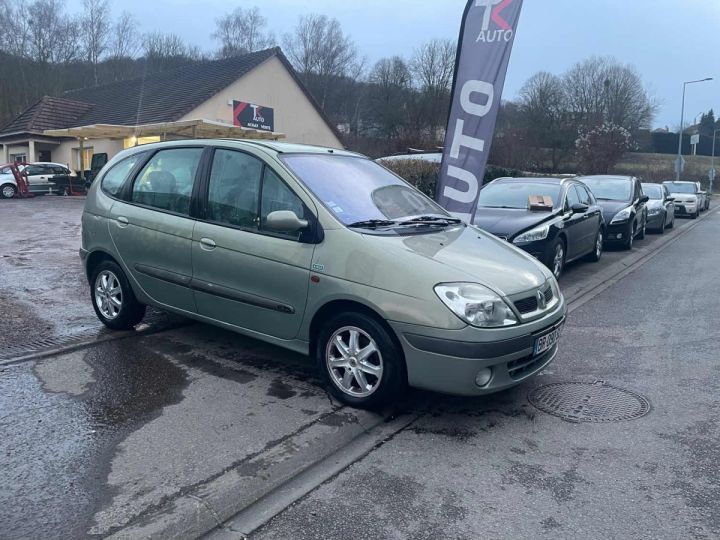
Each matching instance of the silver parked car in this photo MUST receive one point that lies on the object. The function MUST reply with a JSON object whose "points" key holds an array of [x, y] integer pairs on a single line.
{"points": [[661, 207], [324, 252]]}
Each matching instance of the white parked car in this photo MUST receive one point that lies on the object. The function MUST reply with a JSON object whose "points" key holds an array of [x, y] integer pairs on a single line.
{"points": [[42, 177], [687, 198], [704, 198]]}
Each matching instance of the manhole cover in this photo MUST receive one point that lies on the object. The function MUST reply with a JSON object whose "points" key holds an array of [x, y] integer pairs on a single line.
{"points": [[589, 402]]}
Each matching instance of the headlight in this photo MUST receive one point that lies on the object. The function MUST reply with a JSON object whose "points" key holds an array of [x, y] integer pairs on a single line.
{"points": [[476, 304], [538, 233], [654, 211], [622, 215]]}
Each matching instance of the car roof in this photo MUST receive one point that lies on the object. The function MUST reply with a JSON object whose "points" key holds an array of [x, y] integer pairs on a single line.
{"points": [[271, 146], [531, 179], [606, 177], [678, 182]]}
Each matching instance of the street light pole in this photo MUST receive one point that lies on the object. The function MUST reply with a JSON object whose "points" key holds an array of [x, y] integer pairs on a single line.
{"points": [[682, 119], [712, 161]]}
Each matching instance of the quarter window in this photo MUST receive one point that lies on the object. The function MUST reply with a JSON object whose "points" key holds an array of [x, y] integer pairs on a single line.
{"points": [[114, 179], [276, 195], [571, 198], [166, 181], [234, 189]]}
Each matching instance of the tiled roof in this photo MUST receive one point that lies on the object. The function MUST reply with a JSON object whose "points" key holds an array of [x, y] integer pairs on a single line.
{"points": [[47, 113], [164, 96]]}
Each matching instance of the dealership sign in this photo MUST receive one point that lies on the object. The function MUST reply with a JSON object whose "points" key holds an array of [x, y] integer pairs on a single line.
{"points": [[253, 116], [486, 37]]}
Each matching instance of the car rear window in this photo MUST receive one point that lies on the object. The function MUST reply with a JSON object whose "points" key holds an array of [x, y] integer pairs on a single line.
{"points": [[114, 179]]}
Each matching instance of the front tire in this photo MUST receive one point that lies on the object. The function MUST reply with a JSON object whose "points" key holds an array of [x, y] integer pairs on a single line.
{"points": [[113, 299], [8, 191], [556, 260], [630, 238], [359, 361]]}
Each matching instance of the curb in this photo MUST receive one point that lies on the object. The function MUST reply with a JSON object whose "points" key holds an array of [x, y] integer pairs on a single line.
{"points": [[254, 484]]}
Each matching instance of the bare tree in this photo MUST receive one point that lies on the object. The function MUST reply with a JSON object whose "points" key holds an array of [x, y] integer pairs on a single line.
{"points": [[52, 35], [242, 31], [601, 89], [432, 66], [545, 117], [124, 43], [95, 32], [390, 81], [167, 51], [320, 52]]}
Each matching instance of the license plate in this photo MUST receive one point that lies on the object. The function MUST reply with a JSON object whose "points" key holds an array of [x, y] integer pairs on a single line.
{"points": [[543, 343]]}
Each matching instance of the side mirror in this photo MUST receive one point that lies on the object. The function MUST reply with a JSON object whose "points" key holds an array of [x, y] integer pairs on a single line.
{"points": [[579, 208], [284, 221], [669, 199], [644, 199]]}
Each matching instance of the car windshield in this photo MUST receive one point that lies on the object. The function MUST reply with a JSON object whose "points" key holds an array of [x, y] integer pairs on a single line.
{"points": [[654, 191], [515, 194], [356, 189], [681, 187], [609, 189], [7, 170]]}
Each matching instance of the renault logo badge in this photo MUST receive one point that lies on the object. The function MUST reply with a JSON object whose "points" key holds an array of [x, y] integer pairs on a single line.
{"points": [[541, 300]]}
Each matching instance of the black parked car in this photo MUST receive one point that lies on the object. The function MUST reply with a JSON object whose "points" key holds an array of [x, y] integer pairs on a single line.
{"points": [[571, 228], [624, 207]]}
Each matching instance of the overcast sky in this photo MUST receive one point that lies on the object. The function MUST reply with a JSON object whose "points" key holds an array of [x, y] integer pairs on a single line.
{"points": [[668, 41]]}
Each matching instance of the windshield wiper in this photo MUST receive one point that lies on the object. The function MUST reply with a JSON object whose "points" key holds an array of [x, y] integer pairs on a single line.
{"points": [[372, 223], [431, 220]]}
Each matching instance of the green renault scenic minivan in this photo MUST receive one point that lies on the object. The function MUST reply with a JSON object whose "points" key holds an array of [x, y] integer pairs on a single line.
{"points": [[322, 251]]}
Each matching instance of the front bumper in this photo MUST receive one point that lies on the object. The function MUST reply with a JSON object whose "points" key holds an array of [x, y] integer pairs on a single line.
{"points": [[685, 209], [618, 232], [656, 221], [448, 360]]}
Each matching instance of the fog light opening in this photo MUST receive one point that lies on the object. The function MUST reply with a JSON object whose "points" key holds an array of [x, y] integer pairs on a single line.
{"points": [[483, 377]]}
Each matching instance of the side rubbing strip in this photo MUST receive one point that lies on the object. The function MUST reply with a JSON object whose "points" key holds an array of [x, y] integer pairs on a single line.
{"points": [[165, 275], [239, 296]]}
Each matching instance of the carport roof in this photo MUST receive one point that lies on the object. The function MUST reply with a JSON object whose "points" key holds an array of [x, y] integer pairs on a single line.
{"points": [[201, 129]]}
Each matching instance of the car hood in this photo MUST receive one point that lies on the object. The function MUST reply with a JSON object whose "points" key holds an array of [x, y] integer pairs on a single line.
{"points": [[655, 203], [610, 208], [464, 254], [507, 222], [683, 196]]}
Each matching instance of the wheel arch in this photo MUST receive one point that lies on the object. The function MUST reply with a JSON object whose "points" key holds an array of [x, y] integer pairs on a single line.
{"points": [[95, 258], [337, 306]]}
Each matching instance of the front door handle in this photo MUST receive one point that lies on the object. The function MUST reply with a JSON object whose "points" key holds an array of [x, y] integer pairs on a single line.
{"points": [[207, 243], [122, 220]]}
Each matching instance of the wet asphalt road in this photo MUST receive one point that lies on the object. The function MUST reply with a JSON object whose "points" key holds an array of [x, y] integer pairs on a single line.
{"points": [[103, 437]]}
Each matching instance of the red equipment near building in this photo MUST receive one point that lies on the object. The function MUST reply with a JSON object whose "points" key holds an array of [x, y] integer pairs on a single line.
{"points": [[23, 189]]}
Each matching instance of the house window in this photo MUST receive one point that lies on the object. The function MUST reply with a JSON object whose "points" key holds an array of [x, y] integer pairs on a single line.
{"points": [[129, 142], [84, 164], [19, 158]]}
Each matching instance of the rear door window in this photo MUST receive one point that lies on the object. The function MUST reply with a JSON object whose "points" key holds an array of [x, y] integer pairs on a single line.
{"points": [[166, 181], [234, 189]]}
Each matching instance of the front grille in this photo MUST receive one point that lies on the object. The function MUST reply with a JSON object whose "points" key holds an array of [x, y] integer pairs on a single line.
{"points": [[530, 303], [526, 305], [548, 295], [522, 367]]}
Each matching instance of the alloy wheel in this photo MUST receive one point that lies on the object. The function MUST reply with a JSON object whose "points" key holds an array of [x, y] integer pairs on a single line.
{"points": [[599, 244], [558, 259], [8, 191], [354, 361], [108, 294]]}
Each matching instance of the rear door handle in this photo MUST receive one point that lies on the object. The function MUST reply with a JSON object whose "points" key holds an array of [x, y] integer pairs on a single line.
{"points": [[207, 243], [122, 220]]}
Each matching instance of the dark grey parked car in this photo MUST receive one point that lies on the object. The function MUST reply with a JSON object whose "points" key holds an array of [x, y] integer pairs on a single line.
{"points": [[661, 208]]}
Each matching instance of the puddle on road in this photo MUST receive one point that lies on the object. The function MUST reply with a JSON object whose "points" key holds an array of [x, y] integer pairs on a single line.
{"points": [[60, 425]]}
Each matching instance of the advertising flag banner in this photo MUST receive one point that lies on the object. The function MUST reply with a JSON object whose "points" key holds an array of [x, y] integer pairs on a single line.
{"points": [[486, 37]]}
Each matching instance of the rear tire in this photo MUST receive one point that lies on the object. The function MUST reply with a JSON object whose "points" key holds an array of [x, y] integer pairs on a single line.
{"points": [[113, 299], [641, 236], [8, 191], [359, 361], [597, 252]]}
